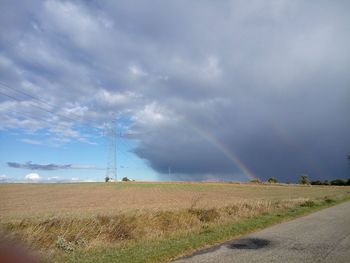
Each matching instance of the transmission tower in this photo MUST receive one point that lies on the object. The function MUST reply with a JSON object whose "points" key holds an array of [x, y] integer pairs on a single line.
{"points": [[111, 170]]}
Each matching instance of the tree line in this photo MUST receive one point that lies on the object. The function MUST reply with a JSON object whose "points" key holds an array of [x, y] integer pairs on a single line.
{"points": [[304, 179]]}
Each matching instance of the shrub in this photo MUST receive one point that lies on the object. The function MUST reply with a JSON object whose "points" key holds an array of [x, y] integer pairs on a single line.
{"points": [[328, 200], [126, 179], [317, 182], [63, 244], [256, 181], [272, 180], [308, 203], [338, 182], [325, 182]]}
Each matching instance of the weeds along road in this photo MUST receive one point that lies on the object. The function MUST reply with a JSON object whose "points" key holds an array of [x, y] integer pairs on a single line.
{"points": [[323, 236]]}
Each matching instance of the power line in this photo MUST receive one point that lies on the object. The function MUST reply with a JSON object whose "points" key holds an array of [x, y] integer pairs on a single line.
{"points": [[26, 114], [31, 96], [127, 160], [48, 111], [42, 102], [24, 93], [111, 169], [45, 110], [36, 106], [71, 168], [41, 119]]}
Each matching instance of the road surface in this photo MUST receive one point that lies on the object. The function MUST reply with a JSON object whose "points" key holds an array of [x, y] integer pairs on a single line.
{"points": [[323, 236]]}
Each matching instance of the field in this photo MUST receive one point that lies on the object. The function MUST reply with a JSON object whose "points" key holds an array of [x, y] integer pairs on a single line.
{"points": [[89, 222]]}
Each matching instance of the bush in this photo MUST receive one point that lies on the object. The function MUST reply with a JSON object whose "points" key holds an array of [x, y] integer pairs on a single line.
{"points": [[107, 179], [325, 182], [308, 203], [126, 179], [328, 200], [338, 182], [272, 180], [255, 181], [63, 244]]}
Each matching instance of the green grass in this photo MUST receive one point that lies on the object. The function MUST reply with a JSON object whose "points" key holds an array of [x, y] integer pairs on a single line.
{"points": [[171, 247]]}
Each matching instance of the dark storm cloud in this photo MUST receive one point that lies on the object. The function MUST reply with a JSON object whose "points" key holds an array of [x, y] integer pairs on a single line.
{"points": [[51, 166], [266, 80], [34, 166]]}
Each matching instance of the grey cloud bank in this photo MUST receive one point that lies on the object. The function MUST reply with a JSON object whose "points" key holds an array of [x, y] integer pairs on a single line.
{"points": [[51, 166], [33, 166], [268, 80]]}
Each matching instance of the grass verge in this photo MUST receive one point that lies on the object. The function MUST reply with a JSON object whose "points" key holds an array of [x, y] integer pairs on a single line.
{"points": [[168, 248]]}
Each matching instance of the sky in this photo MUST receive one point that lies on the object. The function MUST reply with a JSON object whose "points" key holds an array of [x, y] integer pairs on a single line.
{"points": [[201, 90]]}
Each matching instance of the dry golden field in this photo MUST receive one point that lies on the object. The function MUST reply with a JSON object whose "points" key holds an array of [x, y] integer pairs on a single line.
{"points": [[32, 200], [56, 219]]}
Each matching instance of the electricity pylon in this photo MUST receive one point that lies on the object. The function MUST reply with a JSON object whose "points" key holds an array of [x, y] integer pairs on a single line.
{"points": [[111, 170]]}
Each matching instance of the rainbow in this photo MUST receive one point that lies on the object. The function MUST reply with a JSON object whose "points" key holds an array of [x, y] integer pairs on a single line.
{"points": [[222, 148]]}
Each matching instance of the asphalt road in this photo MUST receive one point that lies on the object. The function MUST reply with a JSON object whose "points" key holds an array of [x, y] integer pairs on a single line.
{"points": [[323, 236]]}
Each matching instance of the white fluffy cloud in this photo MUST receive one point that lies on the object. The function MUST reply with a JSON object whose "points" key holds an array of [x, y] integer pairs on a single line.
{"points": [[32, 177], [3, 177]]}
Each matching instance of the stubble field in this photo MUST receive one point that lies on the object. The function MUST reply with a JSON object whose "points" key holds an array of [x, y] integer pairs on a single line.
{"points": [[73, 222], [32, 200]]}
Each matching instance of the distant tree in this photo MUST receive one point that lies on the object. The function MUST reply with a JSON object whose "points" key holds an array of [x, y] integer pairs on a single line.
{"points": [[317, 182], [107, 179], [304, 179], [325, 182], [338, 182], [348, 182], [256, 181], [272, 180], [126, 179]]}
